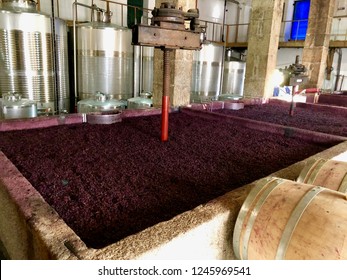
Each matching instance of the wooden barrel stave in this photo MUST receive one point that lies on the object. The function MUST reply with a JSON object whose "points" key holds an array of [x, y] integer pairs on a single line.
{"points": [[331, 174]]}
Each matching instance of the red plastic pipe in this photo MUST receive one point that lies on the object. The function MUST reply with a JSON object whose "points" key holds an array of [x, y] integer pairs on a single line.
{"points": [[165, 119], [166, 98]]}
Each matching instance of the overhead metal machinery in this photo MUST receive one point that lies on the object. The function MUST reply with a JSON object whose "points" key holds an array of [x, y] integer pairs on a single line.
{"points": [[170, 29], [294, 75]]}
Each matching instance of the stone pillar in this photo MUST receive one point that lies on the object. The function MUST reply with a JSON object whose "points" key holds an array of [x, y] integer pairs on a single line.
{"points": [[181, 67], [263, 38], [317, 40]]}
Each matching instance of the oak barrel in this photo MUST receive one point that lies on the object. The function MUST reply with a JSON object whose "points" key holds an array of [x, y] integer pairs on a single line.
{"points": [[283, 219], [331, 174]]}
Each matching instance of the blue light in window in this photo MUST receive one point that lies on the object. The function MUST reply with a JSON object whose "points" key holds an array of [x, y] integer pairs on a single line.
{"points": [[300, 20]]}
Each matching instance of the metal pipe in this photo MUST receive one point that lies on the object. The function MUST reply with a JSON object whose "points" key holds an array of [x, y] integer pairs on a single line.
{"points": [[292, 103], [223, 23], [166, 97], [74, 12], [54, 60], [56, 5], [237, 23], [338, 70], [223, 53], [137, 70], [141, 70], [107, 7], [92, 12]]}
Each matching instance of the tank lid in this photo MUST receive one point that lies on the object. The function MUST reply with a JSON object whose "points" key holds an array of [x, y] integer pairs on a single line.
{"points": [[102, 101], [100, 96], [19, 5], [11, 99], [141, 101], [146, 94]]}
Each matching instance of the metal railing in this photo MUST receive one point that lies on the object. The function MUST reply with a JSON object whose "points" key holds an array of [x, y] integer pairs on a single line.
{"points": [[229, 33], [238, 33], [124, 8], [340, 33], [214, 31]]}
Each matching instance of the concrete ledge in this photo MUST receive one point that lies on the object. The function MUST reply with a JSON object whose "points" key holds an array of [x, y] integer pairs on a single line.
{"points": [[333, 99], [315, 107], [288, 131], [39, 122], [42, 122]]}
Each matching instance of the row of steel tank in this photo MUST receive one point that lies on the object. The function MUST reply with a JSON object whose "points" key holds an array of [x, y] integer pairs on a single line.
{"points": [[34, 62]]}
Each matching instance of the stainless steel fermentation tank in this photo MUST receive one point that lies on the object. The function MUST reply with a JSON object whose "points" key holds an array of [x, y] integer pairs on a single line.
{"points": [[108, 62], [105, 60], [207, 65], [234, 74], [209, 70], [27, 56]]}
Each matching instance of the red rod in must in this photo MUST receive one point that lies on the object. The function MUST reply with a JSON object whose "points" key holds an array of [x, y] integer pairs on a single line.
{"points": [[166, 98], [165, 119]]}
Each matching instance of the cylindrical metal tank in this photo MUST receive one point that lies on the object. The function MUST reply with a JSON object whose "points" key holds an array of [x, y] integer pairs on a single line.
{"points": [[233, 78], [27, 54], [207, 66], [104, 60]]}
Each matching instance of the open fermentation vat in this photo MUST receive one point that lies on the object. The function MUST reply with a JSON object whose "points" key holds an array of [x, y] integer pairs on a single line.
{"points": [[31, 228]]}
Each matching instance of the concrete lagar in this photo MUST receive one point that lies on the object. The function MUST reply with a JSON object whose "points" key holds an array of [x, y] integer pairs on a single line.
{"points": [[30, 228]]}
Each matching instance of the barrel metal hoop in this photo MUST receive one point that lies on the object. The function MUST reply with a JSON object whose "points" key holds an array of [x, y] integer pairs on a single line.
{"points": [[343, 186], [305, 174], [314, 171], [294, 220], [256, 191], [243, 212]]}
